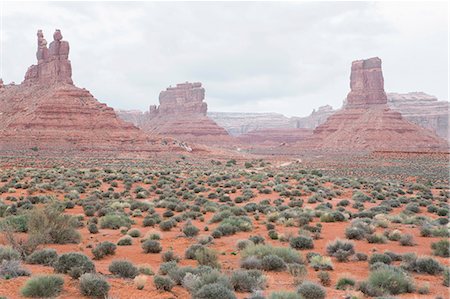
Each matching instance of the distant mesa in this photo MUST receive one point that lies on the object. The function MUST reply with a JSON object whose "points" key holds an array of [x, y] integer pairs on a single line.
{"points": [[48, 112], [182, 114], [366, 123]]}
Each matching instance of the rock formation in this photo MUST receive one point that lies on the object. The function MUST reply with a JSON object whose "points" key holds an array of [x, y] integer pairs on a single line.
{"points": [[53, 62], [270, 137], [182, 114], [424, 110], [317, 117], [47, 113], [366, 123]]}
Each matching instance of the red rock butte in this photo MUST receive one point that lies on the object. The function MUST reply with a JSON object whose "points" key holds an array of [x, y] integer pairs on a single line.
{"points": [[48, 113], [182, 114], [366, 123]]}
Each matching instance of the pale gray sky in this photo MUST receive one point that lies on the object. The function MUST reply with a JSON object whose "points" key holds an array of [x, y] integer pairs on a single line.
{"points": [[287, 57]]}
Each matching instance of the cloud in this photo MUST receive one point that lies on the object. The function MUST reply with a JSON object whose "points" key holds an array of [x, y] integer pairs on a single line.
{"points": [[287, 57]]}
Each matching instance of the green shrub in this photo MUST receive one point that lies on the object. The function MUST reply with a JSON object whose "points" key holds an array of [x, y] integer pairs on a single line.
{"points": [[135, 233], [381, 258], [214, 291], [301, 242], [43, 286], [273, 262], [446, 276], [376, 239], [115, 221], [284, 295], [288, 255], [207, 257], [427, 265], [190, 251], [8, 253], [319, 262], [407, 240], [163, 283], [387, 280], [341, 249], [166, 225], [12, 268], [170, 256], [247, 280], [344, 282], [151, 246], [123, 269], [103, 249], [441, 248], [125, 241], [73, 263], [92, 228], [50, 225], [311, 290], [190, 231], [45, 257], [94, 285]]}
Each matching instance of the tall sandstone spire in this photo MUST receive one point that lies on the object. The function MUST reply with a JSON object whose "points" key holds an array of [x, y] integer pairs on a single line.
{"points": [[366, 123], [49, 113]]}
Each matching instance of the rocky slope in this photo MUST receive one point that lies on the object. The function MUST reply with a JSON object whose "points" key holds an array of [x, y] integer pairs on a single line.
{"points": [[48, 113], [366, 123]]}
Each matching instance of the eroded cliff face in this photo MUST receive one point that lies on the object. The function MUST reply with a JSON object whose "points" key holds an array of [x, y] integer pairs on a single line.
{"points": [[424, 110], [366, 123], [47, 112]]}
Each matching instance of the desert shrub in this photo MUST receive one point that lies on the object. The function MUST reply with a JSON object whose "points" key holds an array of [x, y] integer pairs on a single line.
{"points": [[380, 258], [125, 241], [441, 248], [319, 262], [166, 267], [407, 240], [45, 286], [73, 263], [288, 255], [340, 249], [103, 249], [247, 280], [376, 239], [424, 289], [344, 282], [92, 228], [251, 262], [115, 221], [163, 283], [145, 269], [190, 231], [427, 265], [94, 285], [214, 291], [170, 256], [284, 295], [311, 290], [123, 268], [166, 225], [8, 253], [17, 223], [50, 225], [387, 280], [151, 246], [207, 257], [134, 233], [45, 256], [273, 234], [273, 262], [190, 251], [361, 256], [242, 244], [446, 277], [301, 242], [12, 268], [324, 278]]}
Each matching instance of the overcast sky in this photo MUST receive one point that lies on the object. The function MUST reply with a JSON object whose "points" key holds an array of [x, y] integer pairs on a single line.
{"points": [[287, 57]]}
